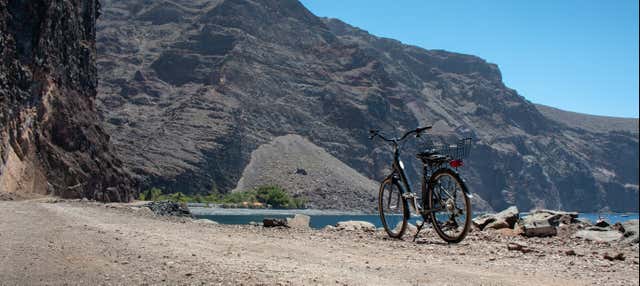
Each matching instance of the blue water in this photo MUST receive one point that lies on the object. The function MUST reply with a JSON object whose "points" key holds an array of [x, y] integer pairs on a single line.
{"points": [[320, 219]]}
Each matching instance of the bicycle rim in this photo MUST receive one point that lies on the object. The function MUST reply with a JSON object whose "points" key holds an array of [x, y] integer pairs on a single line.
{"points": [[393, 209], [451, 218]]}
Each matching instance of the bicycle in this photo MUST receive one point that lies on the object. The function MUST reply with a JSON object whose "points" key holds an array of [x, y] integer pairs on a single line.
{"points": [[447, 204]]}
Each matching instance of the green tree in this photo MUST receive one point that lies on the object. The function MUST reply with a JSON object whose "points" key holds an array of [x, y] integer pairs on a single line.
{"points": [[273, 195]]}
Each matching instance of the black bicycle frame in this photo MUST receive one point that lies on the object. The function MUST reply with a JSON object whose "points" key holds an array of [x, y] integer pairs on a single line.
{"points": [[399, 174]]}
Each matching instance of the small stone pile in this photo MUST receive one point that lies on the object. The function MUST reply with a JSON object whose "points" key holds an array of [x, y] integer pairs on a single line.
{"points": [[166, 208]]}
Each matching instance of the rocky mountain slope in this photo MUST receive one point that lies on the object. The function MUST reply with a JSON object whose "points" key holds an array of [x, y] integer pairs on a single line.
{"points": [[308, 171], [189, 89], [592, 123], [50, 136]]}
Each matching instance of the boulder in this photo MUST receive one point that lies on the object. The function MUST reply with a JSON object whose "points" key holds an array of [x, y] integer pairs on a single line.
{"points": [[274, 222], [602, 223], [630, 231], [482, 221], [554, 218], [510, 215], [539, 228], [355, 225], [599, 234], [167, 208], [504, 219], [498, 224], [299, 221]]}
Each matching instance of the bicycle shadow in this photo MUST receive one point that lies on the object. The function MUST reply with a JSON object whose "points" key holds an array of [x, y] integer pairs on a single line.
{"points": [[428, 241]]}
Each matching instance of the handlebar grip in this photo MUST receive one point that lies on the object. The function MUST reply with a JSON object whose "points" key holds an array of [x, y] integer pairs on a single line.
{"points": [[420, 129]]}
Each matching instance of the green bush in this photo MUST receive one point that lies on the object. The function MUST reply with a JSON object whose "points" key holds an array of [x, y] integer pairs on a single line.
{"points": [[275, 196], [266, 195]]}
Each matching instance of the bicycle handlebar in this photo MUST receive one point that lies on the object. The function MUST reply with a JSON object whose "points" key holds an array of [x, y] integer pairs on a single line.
{"points": [[417, 131]]}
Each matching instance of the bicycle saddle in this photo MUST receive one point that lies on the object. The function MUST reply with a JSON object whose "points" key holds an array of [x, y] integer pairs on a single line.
{"points": [[431, 155]]}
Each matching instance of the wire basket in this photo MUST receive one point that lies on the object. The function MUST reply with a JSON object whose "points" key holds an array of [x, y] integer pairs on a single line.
{"points": [[456, 151]]}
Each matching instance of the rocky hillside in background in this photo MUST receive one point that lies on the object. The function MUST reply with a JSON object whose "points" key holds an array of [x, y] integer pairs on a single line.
{"points": [[592, 123], [51, 141], [308, 171], [189, 89]]}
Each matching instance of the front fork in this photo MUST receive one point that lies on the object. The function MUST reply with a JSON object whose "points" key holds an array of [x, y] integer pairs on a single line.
{"points": [[407, 193]]}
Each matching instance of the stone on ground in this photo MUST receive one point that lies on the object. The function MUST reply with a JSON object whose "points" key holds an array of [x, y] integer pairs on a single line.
{"points": [[504, 219], [482, 221], [630, 231], [274, 222], [167, 208], [599, 234], [539, 228], [554, 218], [299, 221], [355, 225]]}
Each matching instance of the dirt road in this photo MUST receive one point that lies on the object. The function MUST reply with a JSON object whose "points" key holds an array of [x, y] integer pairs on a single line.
{"points": [[89, 244]]}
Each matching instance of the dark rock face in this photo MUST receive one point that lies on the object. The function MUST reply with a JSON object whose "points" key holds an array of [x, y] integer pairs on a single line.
{"points": [[169, 209], [50, 135], [190, 88]]}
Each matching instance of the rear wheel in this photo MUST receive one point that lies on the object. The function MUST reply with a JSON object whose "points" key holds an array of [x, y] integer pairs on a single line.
{"points": [[393, 208], [451, 216]]}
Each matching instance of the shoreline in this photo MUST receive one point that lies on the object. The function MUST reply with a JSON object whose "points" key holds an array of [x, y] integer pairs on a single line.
{"points": [[71, 242], [248, 211]]}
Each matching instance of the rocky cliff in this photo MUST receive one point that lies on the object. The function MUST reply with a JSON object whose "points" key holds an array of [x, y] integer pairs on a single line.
{"points": [[189, 89], [51, 141]]}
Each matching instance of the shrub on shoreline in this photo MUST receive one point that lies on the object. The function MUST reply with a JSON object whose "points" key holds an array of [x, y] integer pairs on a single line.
{"points": [[260, 197]]}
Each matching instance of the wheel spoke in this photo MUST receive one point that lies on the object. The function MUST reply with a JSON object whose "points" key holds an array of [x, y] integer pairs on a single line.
{"points": [[449, 205]]}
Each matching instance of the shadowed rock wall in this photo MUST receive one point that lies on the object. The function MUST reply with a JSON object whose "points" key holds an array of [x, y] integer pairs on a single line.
{"points": [[51, 141]]}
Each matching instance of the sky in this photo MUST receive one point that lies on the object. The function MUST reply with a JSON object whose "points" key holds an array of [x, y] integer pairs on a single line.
{"points": [[577, 55]]}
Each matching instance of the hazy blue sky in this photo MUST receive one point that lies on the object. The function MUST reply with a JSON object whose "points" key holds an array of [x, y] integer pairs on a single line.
{"points": [[575, 55]]}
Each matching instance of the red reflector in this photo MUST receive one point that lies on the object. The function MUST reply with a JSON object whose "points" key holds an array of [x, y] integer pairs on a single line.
{"points": [[456, 163]]}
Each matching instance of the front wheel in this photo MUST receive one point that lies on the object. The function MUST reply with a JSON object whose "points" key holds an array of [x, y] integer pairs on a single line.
{"points": [[393, 208], [450, 206]]}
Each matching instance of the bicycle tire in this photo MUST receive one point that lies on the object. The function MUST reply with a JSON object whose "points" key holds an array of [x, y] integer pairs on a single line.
{"points": [[467, 205], [391, 230]]}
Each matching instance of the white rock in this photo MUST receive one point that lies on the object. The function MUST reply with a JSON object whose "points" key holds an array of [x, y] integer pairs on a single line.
{"points": [[299, 221], [356, 225], [598, 235], [205, 221], [329, 228]]}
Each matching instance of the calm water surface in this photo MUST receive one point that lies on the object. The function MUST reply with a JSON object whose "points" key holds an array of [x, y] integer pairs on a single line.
{"points": [[320, 219]]}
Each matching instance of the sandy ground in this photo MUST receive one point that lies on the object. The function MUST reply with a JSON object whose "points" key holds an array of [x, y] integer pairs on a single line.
{"points": [[77, 243]]}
